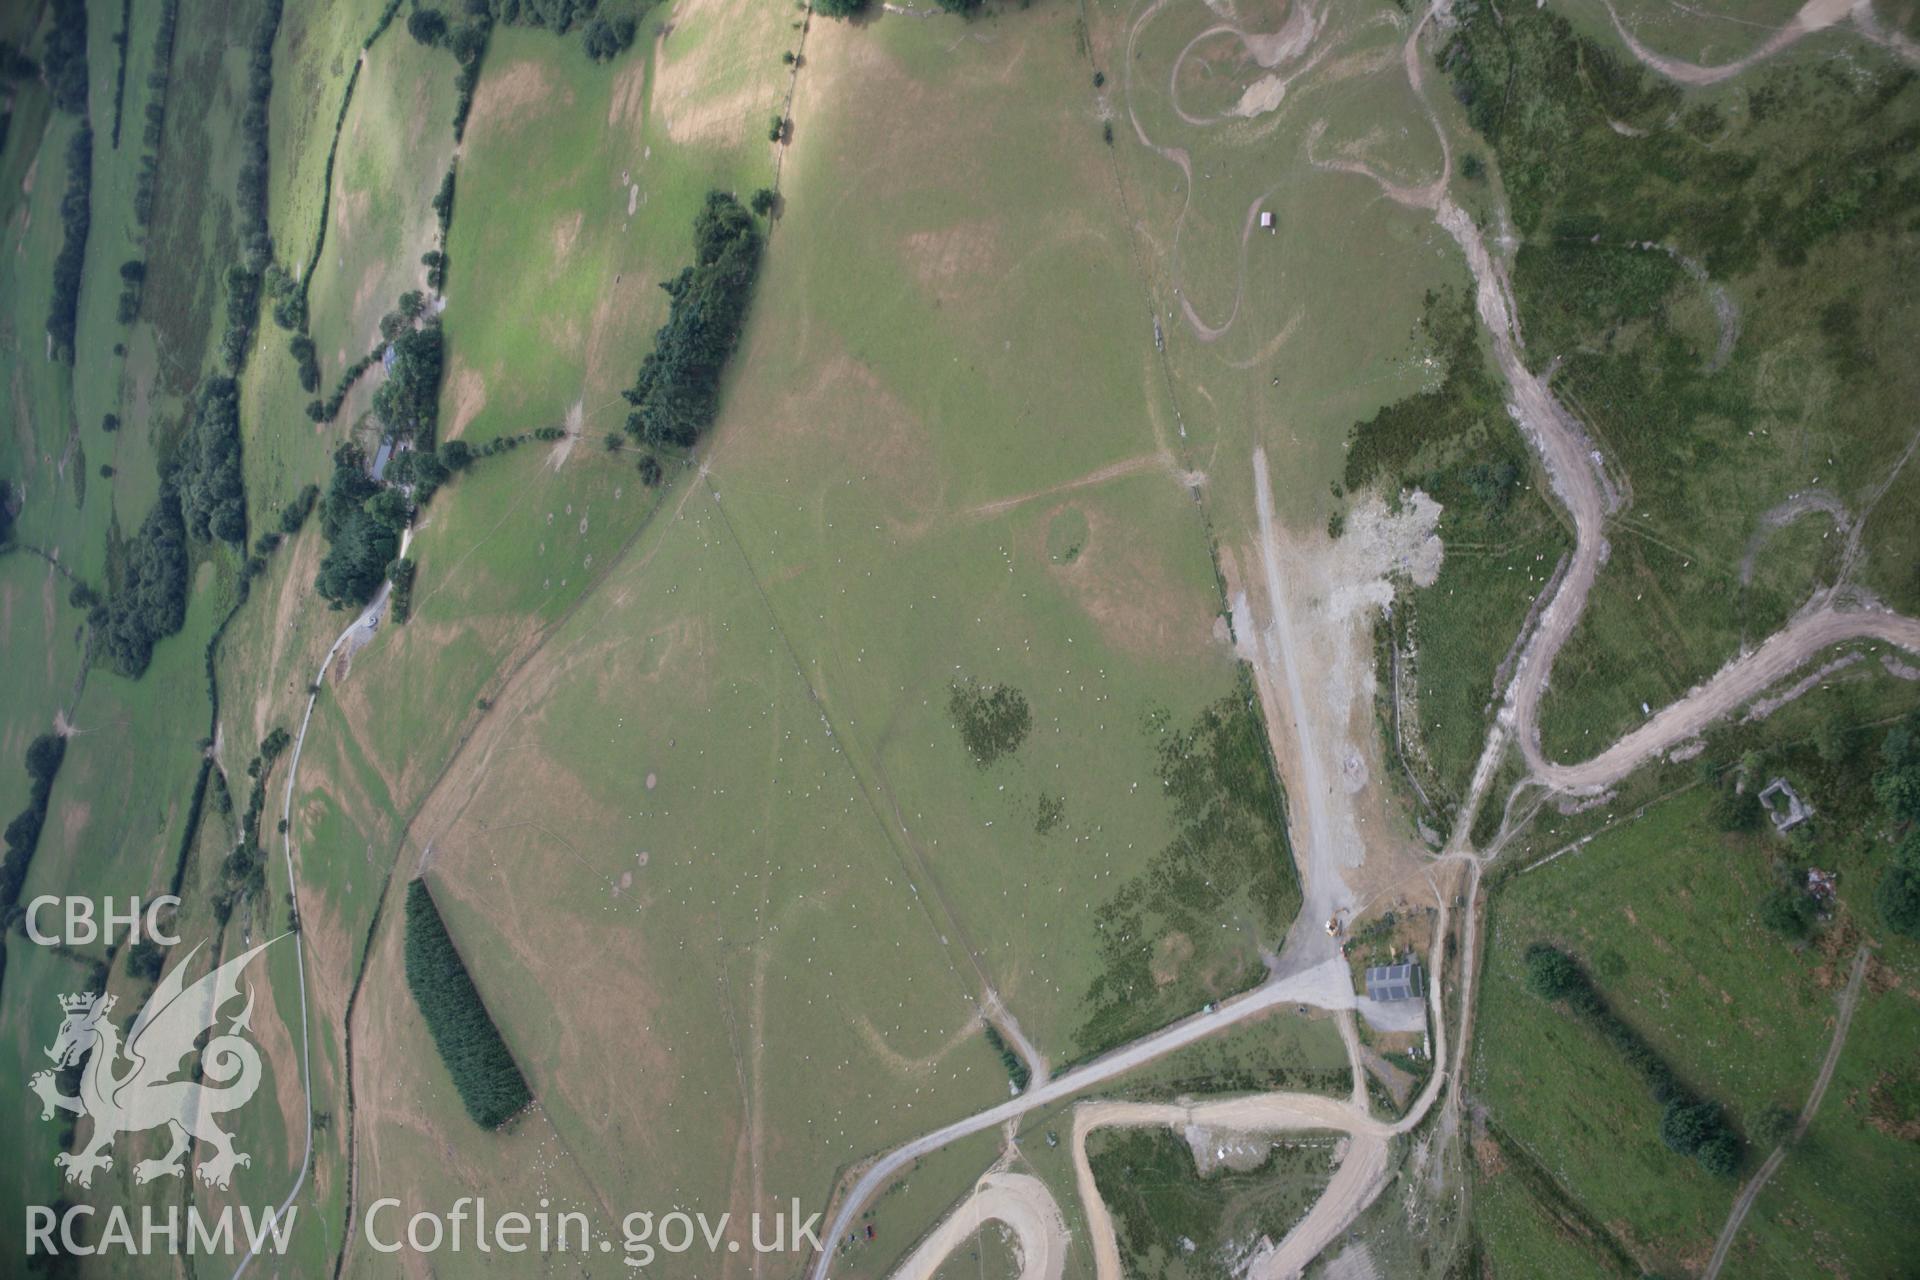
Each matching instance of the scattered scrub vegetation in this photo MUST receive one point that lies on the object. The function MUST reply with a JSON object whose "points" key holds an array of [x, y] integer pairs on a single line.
{"points": [[1228, 859]]}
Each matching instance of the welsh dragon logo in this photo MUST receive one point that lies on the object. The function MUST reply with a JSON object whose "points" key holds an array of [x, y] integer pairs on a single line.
{"points": [[129, 1089]]}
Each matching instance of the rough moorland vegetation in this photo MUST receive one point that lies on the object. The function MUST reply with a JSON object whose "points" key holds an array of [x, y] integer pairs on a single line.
{"points": [[1454, 441], [1719, 283], [1897, 787], [490, 1085]]}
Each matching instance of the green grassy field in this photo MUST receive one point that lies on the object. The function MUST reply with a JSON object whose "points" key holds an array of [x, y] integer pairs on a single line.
{"points": [[1662, 914]]}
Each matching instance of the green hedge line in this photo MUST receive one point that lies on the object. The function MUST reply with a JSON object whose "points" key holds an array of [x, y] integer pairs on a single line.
{"points": [[483, 1070], [23, 833]]}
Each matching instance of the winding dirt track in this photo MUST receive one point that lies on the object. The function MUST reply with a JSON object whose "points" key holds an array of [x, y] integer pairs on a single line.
{"points": [[363, 625], [1815, 15], [1733, 686], [1019, 1200], [1751, 1191]]}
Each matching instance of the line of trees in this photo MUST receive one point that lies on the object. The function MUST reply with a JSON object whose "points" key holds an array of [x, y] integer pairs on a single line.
{"points": [[1689, 1126], [213, 496], [402, 574], [133, 286], [146, 183], [44, 755], [76, 216], [1016, 1066], [120, 74], [676, 395], [244, 278], [1897, 787], [483, 1070], [65, 59], [329, 409]]}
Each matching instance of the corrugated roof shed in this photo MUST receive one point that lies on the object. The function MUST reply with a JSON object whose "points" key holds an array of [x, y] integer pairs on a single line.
{"points": [[1389, 982]]}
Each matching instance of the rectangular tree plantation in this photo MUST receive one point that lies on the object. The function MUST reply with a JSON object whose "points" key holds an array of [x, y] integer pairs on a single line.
{"points": [[484, 1072]]}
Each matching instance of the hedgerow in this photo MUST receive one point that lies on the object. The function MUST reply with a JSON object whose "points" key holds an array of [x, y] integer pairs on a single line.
{"points": [[23, 833]]}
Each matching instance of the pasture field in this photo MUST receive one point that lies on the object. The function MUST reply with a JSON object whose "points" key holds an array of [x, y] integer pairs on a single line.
{"points": [[1725, 364], [761, 908], [1662, 914], [1279, 1050], [1514, 1231], [711, 624], [35, 616], [967, 540], [36, 978], [48, 477], [1340, 339]]}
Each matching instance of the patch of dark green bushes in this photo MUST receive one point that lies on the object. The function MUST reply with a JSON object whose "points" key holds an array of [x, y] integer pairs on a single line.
{"points": [[993, 720]]}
